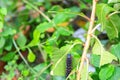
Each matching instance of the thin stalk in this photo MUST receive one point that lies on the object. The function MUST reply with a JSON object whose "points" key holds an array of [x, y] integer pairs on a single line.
{"points": [[87, 43], [73, 72], [93, 30], [25, 61], [116, 12], [40, 72], [42, 52], [46, 17]]}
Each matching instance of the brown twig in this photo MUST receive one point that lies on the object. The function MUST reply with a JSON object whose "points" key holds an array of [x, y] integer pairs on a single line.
{"points": [[87, 43]]}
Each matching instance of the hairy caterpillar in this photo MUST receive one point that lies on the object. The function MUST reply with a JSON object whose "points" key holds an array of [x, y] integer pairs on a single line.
{"points": [[68, 64]]}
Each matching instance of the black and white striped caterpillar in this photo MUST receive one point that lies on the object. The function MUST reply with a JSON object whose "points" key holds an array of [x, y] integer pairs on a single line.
{"points": [[68, 64]]}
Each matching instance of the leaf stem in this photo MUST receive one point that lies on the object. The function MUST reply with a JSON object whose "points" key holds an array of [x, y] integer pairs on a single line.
{"points": [[87, 43], [70, 74], [18, 50], [46, 17], [40, 72], [42, 52], [116, 12], [93, 30]]}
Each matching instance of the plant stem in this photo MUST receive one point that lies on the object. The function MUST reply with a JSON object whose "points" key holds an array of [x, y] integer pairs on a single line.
{"points": [[45, 68], [18, 50], [87, 43], [42, 52], [93, 30], [116, 12], [46, 17], [73, 72]]}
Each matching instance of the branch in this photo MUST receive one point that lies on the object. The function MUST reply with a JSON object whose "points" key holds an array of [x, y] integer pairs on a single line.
{"points": [[87, 43], [93, 30]]}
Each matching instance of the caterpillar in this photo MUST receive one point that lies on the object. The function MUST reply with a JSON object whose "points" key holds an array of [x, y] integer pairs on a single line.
{"points": [[68, 64]]}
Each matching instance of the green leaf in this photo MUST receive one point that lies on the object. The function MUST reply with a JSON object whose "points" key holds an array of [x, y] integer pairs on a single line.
{"points": [[117, 6], [115, 21], [116, 74], [106, 58], [58, 70], [35, 41], [1, 51], [112, 32], [25, 72], [59, 60], [58, 78], [8, 45], [106, 72], [21, 67], [60, 17], [64, 31], [89, 77], [21, 40], [95, 60], [113, 1], [76, 52], [1, 24], [115, 50], [112, 26], [41, 28], [53, 40], [89, 1], [2, 42], [99, 50], [31, 56], [8, 31], [8, 57], [3, 11], [109, 23], [102, 10], [49, 50], [56, 8], [40, 67]]}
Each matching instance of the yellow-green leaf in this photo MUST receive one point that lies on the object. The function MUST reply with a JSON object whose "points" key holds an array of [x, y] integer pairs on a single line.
{"points": [[113, 1], [106, 58], [31, 56], [102, 10], [98, 47], [3, 11]]}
